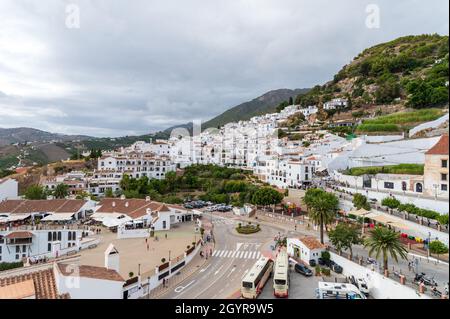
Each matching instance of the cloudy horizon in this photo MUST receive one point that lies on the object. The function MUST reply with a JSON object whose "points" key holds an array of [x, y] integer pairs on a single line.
{"points": [[139, 67]]}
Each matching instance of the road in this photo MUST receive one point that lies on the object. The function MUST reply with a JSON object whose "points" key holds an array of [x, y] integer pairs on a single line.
{"points": [[233, 256]]}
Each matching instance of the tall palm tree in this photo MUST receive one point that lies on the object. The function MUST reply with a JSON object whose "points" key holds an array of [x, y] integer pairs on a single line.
{"points": [[385, 241], [322, 208]]}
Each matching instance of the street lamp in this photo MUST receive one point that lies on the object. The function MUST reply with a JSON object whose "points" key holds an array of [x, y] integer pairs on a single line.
{"points": [[169, 255]]}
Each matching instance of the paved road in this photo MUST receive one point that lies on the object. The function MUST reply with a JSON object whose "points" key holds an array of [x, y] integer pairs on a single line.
{"points": [[234, 255]]}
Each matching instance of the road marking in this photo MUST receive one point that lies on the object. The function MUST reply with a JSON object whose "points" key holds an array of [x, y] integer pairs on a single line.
{"points": [[204, 269], [232, 269], [215, 253], [238, 245], [218, 270], [222, 253], [181, 288], [234, 253], [241, 254], [245, 272], [230, 253], [245, 255], [254, 254]]}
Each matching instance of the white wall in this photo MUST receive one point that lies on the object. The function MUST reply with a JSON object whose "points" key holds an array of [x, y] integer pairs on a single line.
{"points": [[9, 189], [380, 287]]}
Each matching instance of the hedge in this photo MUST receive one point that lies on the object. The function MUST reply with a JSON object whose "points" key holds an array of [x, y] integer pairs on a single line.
{"points": [[7, 266], [248, 229], [390, 202]]}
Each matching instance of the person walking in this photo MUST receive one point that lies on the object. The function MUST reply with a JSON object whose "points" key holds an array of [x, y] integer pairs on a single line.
{"points": [[166, 235]]}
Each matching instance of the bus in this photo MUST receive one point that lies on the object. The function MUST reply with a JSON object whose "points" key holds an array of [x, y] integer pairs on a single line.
{"points": [[254, 281], [332, 290], [281, 275]]}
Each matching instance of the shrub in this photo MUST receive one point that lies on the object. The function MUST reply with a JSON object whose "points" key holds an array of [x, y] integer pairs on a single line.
{"points": [[317, 270], [390, 202], [325, 271], [7, 266], [443, 219], [437, 247], [325, 255]]}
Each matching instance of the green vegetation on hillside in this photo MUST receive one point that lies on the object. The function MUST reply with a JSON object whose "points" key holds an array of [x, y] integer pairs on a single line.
{"points": [[411, 70], [399, 122], [409, 169]]}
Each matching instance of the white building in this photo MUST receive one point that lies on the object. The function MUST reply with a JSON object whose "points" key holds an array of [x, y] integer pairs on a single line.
{"points": [[335, 104], [305, 248], [8, 189]]}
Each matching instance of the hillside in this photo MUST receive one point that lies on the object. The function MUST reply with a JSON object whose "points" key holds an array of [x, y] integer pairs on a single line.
{"points": [[410, 71], [266, 103], [26, 134]]}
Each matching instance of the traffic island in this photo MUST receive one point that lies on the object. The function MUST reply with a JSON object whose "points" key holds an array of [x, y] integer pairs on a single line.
{"points": [[249, 228]]}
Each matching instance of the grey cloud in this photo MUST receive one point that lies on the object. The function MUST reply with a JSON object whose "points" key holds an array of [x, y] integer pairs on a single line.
{"points": [[140, 66]]}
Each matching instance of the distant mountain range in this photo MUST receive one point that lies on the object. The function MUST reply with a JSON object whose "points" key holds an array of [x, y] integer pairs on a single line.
{"points": [[266, 103], [26, 134]]}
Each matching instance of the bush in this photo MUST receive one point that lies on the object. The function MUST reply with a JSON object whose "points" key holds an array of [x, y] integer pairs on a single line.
{"points": [[325, 255], [437, 247], [390, 202], [443, 219], [248, 229], [325, 271], [7, 266]]}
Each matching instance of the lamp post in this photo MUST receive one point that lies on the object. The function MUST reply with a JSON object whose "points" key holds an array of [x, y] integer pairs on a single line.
{"points": [[169, 255]]}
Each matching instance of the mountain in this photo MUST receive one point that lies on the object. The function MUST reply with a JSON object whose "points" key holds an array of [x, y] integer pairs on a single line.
{"points": [[266, 103], [410, 71], [26, 134]]}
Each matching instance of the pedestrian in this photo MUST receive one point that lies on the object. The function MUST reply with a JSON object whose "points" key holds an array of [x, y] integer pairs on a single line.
{"points": [[146, 240], [148, 247], [166, 235]]}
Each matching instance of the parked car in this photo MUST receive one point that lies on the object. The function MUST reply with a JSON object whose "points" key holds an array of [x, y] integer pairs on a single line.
{"points": [[323, 262], [337, 269], [305, 271], [312, 263], [188, 206]]}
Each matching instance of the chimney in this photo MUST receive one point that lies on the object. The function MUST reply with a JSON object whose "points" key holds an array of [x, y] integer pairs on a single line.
{"points": [[122, 196], [112, 258], [126, 204], [147, 198], [113, 204]]}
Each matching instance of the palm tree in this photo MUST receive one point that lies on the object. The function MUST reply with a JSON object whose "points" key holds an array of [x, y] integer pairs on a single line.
{"points": [[322, 207], [385, 241], [61, 191]]}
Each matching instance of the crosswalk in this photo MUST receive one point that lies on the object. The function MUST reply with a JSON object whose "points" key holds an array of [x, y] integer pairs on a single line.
{"points": [[224, 221], [237, 254]]}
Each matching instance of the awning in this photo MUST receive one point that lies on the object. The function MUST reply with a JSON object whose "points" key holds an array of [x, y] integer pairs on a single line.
{"points": [[359, 212], [386, 220], [14, 218], [19, 234], [58, 217]]}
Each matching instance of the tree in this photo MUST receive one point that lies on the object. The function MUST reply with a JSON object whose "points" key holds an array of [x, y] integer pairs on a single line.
{"points": [[360, 201], [109, 193], [35, 192], [61, 191], [386, 242], [171, 178], [344, 236], [437, 247], [322, 207], [267, 196]]}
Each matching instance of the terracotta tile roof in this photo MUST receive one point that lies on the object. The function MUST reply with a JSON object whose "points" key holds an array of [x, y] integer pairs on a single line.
{"points": [[19, 234], [440, 148], [43, 280], [92, 272], [33, 206], [20, 290], [312, 242]]}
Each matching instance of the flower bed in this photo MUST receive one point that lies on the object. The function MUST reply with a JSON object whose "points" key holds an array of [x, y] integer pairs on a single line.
{"points": [[248, 229]]}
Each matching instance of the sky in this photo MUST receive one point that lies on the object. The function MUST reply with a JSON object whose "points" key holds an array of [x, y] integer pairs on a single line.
{"points": [[115, 67]]}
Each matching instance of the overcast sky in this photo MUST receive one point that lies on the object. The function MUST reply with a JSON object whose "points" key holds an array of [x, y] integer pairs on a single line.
{"points": [[134, 67]]}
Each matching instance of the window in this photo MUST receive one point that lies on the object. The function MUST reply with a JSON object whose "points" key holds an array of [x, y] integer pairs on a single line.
{"points": [[444, 163], [24, 248], [389, 185], [443, 177], [17, 249], [59, 235], [49, 247], [419, 187], [54, 236], [49, 236], [404, 186], [444, 187]]}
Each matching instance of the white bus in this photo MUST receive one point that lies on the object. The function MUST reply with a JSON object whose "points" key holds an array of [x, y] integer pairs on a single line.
{"points": [[331, 290], [254, 281], [281, 274]]}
